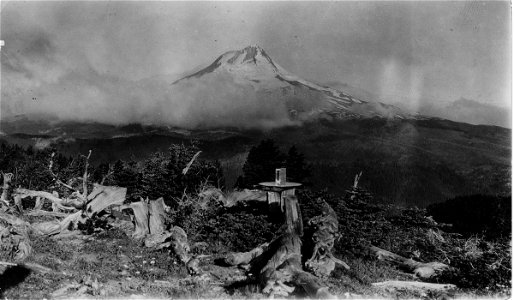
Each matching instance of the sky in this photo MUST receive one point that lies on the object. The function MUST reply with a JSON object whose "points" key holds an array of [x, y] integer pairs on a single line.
{"points": [[80, 59]]}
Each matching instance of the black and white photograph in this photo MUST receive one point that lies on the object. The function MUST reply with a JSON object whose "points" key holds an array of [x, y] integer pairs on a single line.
{"points": [[255, 149]]}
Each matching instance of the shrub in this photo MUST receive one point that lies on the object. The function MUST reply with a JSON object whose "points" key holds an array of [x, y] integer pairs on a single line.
{"points": [[476, 214]]}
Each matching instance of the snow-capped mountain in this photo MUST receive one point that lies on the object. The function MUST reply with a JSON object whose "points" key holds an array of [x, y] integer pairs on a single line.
{"points": [[254, 69]]}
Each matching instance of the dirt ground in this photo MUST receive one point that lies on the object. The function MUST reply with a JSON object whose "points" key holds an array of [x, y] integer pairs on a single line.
{"points": [[111, 265]]}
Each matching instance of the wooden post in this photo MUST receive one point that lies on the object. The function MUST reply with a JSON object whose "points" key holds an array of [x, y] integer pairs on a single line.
{"points": [[293, 215]]}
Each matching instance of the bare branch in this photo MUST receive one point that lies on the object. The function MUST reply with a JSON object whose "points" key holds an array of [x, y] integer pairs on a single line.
{"points": [[356, 181], [184, 171], [110, 172], [57, 180], [84, 180]]}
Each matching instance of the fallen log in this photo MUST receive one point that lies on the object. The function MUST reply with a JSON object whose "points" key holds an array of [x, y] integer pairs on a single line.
{"points": [[47, 228], [421, 270], [32, 266], [68, 204], [415, 285], [39, 213]]}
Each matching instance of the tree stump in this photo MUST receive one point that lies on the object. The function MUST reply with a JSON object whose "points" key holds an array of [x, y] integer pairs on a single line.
{"points": [[6, 188], [149, 217], [280, 262]]}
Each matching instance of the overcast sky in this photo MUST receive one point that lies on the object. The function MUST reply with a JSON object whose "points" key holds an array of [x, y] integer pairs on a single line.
{"points": [[85, 53]]}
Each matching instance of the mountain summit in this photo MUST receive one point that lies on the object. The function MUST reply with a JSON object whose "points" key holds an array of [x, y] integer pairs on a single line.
{"points": [[251, 55], [250, 73]]}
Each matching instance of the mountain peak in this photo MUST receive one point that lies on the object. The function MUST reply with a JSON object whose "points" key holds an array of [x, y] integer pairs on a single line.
{"points": [[250, 55], [253, 47], [250, 73]]}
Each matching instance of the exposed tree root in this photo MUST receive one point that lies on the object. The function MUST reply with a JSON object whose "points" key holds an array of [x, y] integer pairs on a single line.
{"points": [[326, 231]]}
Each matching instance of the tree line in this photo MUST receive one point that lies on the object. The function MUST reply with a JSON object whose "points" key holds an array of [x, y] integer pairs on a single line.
{"points": [[160, 175]]}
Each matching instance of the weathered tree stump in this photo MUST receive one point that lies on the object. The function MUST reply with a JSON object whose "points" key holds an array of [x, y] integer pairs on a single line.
{"points": [[149, 217], [280, 262], [6, 188]]}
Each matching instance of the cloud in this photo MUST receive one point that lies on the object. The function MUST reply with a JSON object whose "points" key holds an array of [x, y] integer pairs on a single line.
{"points": [[84, 60]]}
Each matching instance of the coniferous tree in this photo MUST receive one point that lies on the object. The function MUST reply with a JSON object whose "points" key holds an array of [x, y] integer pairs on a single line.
{"points": [[261, 163], [162, 174], [297, 169], [126, 174]]}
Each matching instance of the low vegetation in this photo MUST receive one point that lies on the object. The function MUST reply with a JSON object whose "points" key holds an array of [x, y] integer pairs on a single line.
{"points": [[470, 234]]}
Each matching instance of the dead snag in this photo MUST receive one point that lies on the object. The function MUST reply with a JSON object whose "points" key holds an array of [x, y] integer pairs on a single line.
{"points": [[326, 231], [421, 270], [6, 188]]}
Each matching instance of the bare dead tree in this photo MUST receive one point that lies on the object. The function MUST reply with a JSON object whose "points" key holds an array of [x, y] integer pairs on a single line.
{"points": [[85, 177]]}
